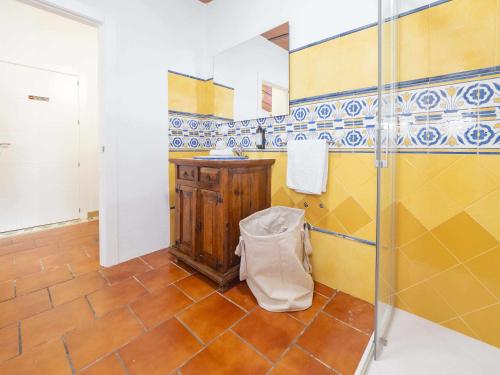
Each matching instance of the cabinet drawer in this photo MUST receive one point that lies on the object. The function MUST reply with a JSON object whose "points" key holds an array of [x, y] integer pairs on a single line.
{"points": [[186, 172], [209, 175]]}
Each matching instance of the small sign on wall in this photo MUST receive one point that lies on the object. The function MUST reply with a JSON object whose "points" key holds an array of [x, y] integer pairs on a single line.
{"points": [[39, 98]]}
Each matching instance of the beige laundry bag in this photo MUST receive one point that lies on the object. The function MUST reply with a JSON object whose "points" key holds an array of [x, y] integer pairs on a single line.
{"points": [[274, 248]]}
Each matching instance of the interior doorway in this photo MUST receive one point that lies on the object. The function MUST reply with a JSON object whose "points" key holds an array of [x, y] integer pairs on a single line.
{"points": [[49, 143]]}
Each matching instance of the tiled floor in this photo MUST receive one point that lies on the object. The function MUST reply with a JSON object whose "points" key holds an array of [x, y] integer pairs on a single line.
{"points": [[61, 313]]}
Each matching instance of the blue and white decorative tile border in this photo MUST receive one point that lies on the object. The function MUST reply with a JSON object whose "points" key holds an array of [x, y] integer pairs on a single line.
{"points": [[453, 115]]}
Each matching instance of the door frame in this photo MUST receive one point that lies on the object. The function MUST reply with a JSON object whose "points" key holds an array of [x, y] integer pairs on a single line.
{"points": [[108, 176]]}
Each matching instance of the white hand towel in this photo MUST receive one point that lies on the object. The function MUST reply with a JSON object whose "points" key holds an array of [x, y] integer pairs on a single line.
{"points": [[307, 166]]}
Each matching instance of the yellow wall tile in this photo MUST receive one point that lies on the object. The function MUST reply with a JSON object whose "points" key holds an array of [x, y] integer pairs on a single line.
{"points": [[462, 36], [408, 226], [351, 215], [486, 267], [485, 211], [461, 290], [459, 325], [413, 46], [423, 300], [312, 72], [223, 102], [464, 237], [461, 179], [431, 205], [428, 256], [486, 324], [345, 265]]}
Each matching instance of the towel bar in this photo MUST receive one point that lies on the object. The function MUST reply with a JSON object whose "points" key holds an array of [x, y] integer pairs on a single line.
{"points": [[340, 235], [284, 143]]}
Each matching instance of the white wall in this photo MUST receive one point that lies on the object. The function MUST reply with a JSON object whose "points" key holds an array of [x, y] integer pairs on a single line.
{"points": [[140, 41], [37, 38], [244, 67]]}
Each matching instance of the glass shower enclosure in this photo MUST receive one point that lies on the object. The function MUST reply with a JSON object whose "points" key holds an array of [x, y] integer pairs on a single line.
{"points": [[385, 161]]}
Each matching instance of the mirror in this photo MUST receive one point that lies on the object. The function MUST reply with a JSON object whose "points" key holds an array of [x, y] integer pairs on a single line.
{"points": [[251, 80]]}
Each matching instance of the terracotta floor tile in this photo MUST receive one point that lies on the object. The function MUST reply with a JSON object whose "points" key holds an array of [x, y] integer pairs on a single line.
{"points": [[161, 350], [161, 277], [5, 241], [352, 310], [209, 317], [323, 289], [14, 271], [23, 307], [105, 335], [271, 333], [125, 270], [9, 342], [306, 316], [6, 290], [227, 355], [92, 251], [79, 241], [85, 266], [77, 287], [44, 241], [242, 296], [42, 280], [158, 258], [37, 253], [196, 286], [334, 343], [17, 247], [159, 306], [106, 366], [115, 296], [66, 257], [53, 323], [45, 359], [296, 362]]}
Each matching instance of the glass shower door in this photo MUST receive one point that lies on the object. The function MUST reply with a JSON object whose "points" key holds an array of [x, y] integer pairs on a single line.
{"points": [[386, 146]]}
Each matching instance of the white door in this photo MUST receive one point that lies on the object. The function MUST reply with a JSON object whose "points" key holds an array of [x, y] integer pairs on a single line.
{"points": [[38, 147]]}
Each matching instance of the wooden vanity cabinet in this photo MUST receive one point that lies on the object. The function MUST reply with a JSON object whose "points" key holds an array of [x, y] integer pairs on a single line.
{"points": [[212, 196]]}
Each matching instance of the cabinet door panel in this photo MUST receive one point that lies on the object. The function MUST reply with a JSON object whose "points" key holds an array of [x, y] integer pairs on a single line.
{"points": [[185, 215], [209, 228]]}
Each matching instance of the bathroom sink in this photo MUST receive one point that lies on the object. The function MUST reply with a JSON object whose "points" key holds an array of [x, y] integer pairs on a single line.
{"points": [[220, 157]]}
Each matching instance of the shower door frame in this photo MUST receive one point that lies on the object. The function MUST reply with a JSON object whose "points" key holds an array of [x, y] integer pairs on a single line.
{"points": [[385, 162]]}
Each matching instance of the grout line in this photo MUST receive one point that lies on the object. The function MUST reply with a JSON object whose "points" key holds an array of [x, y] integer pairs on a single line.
{"points": [[315, 358], [190, 331], [234, 303], [251, 346], [20, 338], [143, 261], [183, 292], [347, 324], [121, 362], [213, 339], [68, 357], [306, 326], [50, 298], [140, 283], [90, 305], [144, 328]]}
